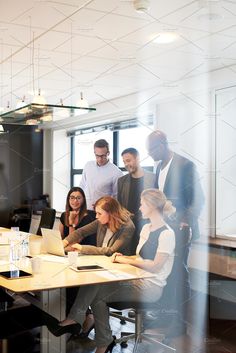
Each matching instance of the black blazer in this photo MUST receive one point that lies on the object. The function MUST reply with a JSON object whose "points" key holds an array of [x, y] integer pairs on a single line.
{"points": [[123, 186], [183, 188]]}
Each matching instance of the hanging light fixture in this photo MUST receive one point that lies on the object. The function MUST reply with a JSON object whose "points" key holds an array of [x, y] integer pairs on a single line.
{"points": [[62, 112], [82, 103], [31, 122], [21, 106], [39, 112], [39, 99], [46, 117], [20, 103]]}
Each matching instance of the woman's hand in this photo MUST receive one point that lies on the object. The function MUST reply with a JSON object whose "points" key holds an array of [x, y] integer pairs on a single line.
{"points": [[77, 247], [69, 248], [116, 257], [72, 217], [113, 256], [122, 259]]}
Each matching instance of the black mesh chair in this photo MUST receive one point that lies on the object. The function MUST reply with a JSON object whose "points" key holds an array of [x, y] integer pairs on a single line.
{"points": [[47, 219], [139, 308]]}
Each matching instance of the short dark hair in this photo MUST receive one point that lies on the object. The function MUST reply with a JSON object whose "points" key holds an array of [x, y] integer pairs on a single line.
{"points": [[101, 144], [131, 150]]}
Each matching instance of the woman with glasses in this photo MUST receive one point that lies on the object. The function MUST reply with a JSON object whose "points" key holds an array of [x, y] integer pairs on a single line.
{"points": [[76, 215]]}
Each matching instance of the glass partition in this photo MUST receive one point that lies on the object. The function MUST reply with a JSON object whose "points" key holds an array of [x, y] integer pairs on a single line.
{"points": [[226, 162]]}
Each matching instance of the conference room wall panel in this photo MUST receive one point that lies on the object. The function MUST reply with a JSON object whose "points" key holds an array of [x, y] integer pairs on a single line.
{"points": [[22, 157]]}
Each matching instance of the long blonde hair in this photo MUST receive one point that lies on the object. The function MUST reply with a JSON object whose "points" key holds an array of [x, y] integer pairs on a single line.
{"points": [[118, 215]]}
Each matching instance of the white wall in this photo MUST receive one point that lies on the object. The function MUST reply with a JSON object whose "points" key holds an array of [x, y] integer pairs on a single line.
{"points": [[61, 169], [226, 161]]}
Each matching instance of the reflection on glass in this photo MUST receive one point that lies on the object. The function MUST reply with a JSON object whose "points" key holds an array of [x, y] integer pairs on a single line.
{"points": [[83, 147], [136, 138]]}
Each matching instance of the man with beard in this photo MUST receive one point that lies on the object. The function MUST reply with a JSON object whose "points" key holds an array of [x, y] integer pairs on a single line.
{"points": [[130, 187]]}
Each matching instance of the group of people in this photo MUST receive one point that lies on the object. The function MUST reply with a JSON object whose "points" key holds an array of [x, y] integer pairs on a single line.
{"points": [[136, 219]]}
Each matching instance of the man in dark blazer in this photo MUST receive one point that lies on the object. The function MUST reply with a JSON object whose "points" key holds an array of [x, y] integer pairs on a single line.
{"points": [[130, 187], [177, 177], [179, 182]]}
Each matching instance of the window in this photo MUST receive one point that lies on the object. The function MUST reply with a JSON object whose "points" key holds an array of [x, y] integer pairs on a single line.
{"points": [[136, 138], [82, 148]]}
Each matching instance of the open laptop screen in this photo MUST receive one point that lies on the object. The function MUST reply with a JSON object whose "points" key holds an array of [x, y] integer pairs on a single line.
{"points": [[52, 242]]}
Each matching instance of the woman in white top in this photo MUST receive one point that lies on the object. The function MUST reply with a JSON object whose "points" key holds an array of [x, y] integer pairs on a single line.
{"points": [[155, 253]]}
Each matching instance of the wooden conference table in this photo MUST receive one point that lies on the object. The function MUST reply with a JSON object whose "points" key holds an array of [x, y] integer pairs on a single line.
{"points": [[47, 289]]}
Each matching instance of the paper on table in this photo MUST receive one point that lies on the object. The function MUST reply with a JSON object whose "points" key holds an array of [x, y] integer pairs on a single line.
{"points": [[3, 262], [112, 274]]}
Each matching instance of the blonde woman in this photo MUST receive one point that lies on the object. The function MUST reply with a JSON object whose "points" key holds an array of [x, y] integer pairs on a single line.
{"points": [[155, 253]]}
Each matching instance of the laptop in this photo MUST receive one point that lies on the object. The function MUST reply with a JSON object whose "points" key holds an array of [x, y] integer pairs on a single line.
{"points": [[52, 242]]}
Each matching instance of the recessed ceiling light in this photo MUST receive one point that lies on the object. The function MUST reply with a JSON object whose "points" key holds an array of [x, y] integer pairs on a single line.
{"points": [[166, 37]]}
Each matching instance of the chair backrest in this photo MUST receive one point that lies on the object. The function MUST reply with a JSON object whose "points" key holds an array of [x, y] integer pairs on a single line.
{"points": [[174, 290], [47, 219], [5, 218]]}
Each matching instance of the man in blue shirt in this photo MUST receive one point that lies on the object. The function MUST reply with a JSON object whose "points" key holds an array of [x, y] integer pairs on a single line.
{"points": [[100, 177]]}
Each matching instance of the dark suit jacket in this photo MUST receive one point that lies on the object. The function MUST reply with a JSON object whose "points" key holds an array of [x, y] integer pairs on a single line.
{"points": [[120, 241], [183, 188], [123, 186]]}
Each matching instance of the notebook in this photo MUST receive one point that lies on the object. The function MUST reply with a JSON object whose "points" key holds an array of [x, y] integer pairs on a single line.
{"points": [[52, 242]]}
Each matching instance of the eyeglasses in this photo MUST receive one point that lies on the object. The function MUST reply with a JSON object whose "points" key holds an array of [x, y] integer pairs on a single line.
{"points": [[77, 198], [102, 156]]}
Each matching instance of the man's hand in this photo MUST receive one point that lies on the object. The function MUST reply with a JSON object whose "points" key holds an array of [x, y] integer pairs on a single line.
{"points": [[182, 225]]}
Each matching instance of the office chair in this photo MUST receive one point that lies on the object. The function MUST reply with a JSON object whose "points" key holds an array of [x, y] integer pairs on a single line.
{"points": [[6, 301], [139, 308], [47, 219], [5, 218], [169, 303]]}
